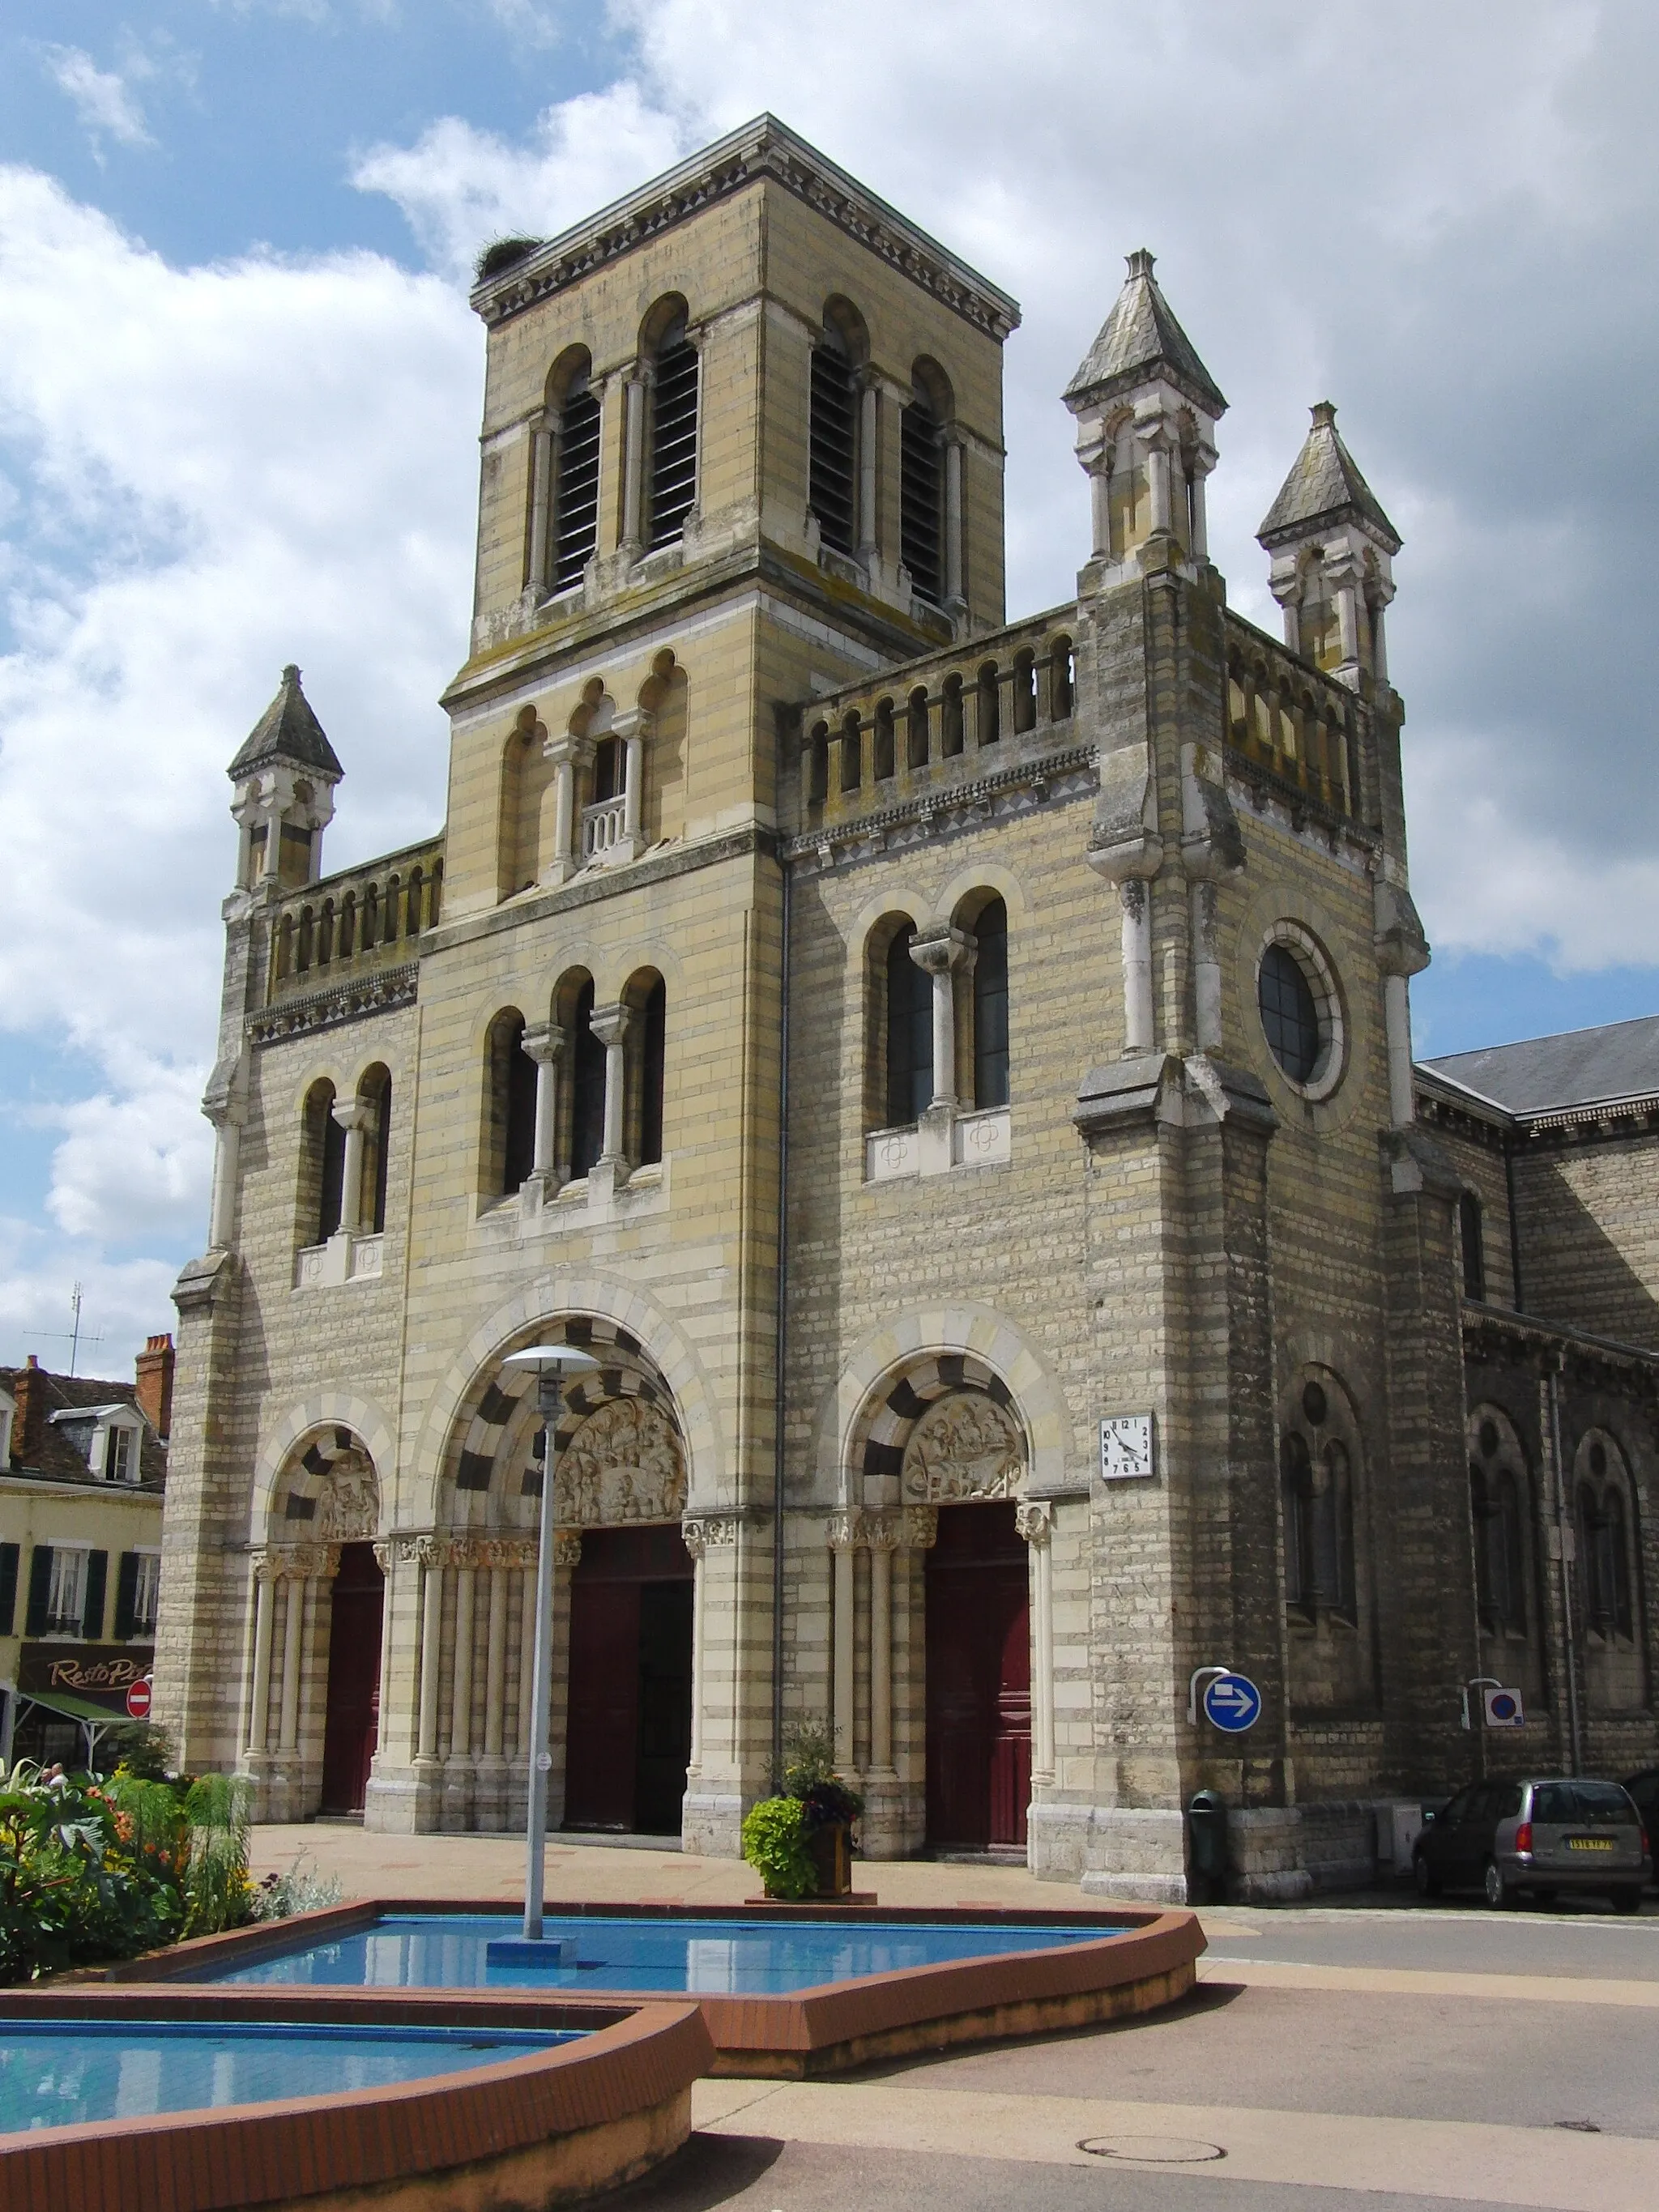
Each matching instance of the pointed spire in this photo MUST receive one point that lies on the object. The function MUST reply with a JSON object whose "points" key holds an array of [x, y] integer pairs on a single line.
{"points": [[287, 732], [1139, 339], [1324, 489]]}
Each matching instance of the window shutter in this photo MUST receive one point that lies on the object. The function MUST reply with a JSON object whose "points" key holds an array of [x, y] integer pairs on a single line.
{"points": [[8, 1587], [40, 1590], [126, 1595], [92, 1620]]}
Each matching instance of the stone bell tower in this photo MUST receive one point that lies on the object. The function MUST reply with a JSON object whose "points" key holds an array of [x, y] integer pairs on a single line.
{"points": [[1332, 548]]}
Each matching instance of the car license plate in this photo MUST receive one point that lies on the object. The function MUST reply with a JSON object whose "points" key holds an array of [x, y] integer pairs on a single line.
{"points": [[1591, 1844]]}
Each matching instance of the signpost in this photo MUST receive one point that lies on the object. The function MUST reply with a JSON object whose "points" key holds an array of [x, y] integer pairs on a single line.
{"points": [[1231, 1703], [1501, 1706], [138, 1698]]}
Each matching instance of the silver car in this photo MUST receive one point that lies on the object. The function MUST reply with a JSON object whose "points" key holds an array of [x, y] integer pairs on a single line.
{"points": [[1544, 1839]]}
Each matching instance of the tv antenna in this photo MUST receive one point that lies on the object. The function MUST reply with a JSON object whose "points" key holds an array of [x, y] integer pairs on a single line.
{"points": [[72, 1335]]}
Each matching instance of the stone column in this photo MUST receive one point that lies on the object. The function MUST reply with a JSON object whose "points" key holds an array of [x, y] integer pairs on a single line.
{"points": [[1203, 461], [1035, 1522], [567, 754], [611, 1025], [386, 1559], [259, 1701], [544, 1044], [955, 603], [431, 1553], [634, 406], [352, 1115], [882, 1536], [1154, 440], [293, 1613], [939, 953], [843, 1543], [631, 729], [1206, 966], [869, 550], [566, 1557], [457, 1778], [691, 1534]]}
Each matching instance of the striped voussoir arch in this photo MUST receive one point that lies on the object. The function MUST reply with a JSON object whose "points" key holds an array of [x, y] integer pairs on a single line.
{"points": [[891, 1418], [626, 1370], [305, 1480]]}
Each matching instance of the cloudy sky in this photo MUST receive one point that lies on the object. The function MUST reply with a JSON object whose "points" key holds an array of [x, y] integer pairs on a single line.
{"points": [[239, 390]]}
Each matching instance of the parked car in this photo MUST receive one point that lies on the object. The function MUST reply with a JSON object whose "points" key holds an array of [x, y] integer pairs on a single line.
{"points": [[1642, 1790], [1554, 1836]]}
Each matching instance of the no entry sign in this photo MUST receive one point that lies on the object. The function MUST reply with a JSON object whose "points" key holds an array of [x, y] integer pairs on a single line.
{"points": [[138, 1698]]}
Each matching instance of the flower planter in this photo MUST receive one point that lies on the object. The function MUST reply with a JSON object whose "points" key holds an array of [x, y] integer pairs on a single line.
{"points": [[830, 1849]]}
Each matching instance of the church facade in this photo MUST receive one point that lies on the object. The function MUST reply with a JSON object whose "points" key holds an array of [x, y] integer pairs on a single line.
{"points": [[956, 1078]]}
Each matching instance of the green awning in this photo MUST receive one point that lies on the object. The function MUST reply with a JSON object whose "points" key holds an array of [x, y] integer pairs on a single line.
{"points": [[71, 1708]]}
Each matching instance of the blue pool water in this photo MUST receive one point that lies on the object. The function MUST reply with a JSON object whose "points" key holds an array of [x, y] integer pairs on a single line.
{"points": [[57, 2074], [739, 1958]]}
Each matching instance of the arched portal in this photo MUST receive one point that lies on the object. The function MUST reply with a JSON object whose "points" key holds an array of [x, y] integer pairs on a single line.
{"points": [[313, 1704], [624, 1596], [957, 1608]]}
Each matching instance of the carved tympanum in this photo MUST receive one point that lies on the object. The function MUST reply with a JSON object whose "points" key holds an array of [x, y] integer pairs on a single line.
{"points": [[622, 1464], [348, 1510], [965, 1446]]}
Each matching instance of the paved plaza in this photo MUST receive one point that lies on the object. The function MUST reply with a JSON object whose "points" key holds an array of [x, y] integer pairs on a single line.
{"points": [[1369, 2053]]}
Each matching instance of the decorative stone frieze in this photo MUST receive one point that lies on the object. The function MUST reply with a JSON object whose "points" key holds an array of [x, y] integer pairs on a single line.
{"points": [[621, 1465], [965, 1446]]}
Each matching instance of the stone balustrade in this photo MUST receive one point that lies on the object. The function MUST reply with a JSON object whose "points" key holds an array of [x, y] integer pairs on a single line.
{"points": [[936, 722], [1283, 715], [364, 918]]}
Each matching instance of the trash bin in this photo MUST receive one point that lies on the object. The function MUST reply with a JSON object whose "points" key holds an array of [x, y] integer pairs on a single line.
{"points": [[1206, 1827]]}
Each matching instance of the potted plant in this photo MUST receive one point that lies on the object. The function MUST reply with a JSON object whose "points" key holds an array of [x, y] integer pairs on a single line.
{"points": [[799, 1840]]}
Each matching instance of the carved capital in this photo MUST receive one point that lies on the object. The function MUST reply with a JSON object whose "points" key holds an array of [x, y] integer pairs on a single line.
{"points": [[431, 1551], [300, 1562], [920, 1527], [509, 1552], [566, 1547], [610, 1023], [881, 1532], [709, 1532], [543, 1044], [1035, 1519], [937, 951], [841, 1532]]}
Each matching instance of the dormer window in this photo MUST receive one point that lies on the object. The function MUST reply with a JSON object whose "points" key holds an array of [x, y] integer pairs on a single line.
{"points": [[7, 1415], [108, 1438], [121, 1456]]}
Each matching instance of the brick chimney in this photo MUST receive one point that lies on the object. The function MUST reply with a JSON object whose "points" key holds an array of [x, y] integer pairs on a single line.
{"points": [[153, 1371], [28, 1387]]}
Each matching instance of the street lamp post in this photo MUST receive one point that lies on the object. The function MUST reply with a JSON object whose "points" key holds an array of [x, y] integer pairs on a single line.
{"points": [[550, 1364]]}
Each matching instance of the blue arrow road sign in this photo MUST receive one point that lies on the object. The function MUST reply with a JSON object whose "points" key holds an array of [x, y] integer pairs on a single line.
{"points": [[1232, 1703]]}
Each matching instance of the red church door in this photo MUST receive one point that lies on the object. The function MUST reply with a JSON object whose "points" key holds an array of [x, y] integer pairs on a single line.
{"points": [[979, 1680], [627, 1729], [354, 1680]]}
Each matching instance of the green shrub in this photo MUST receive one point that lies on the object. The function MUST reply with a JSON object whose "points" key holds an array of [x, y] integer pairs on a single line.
{"points": [[774, 1844], [88, 1870], [280, 1895], [217, 1892]]}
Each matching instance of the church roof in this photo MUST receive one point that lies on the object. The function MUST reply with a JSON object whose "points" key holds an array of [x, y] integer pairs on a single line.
{"points": [[1324, 487], [1578, 1069], [1141, 334], [287, 731]]}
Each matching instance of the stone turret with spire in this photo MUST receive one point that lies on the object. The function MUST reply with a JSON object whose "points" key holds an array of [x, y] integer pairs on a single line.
{"points": [[1146, 409], [283, 776], [1332, 548]]}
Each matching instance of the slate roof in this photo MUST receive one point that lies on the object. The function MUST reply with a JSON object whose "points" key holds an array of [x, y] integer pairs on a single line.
{"points": [[1324, 486], [288, 730], [57, 1455], [1141, 334], [1555, 1074]]}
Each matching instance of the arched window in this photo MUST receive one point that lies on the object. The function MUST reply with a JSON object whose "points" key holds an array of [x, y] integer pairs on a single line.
{"points": [[322, 1166], [1060, 680], [1604, 1553], [651, 1022], [1498, 1505], [991, 1004], [916, 749], [990, 705], [1296, 1486], [673, 480], [832, 450], [951, 717], [512, 1082], [607, 769], [910, 1032], [586, 1059], [576, 481], [883, 764], [1473, 1241], [375, 1092], [1317, 1493], [921, 499], [1025, 690]]}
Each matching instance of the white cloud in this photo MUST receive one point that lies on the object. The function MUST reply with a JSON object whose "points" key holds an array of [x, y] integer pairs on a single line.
{"points": [[122, 1304], [460, 186], [102, 97], [258, 462]]}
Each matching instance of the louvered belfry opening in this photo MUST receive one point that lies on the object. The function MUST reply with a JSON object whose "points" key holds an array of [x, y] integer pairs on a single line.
{"points": [[920, 488], [832, 457], [576, 496], [673, 434]]}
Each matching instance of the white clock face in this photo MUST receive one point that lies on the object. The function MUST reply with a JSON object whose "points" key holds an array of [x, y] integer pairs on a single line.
{"points": [[1125, 1447]]}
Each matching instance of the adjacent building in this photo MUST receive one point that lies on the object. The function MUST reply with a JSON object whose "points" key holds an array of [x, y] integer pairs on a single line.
{"points": [[82, 1475], [956, 1077]]}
